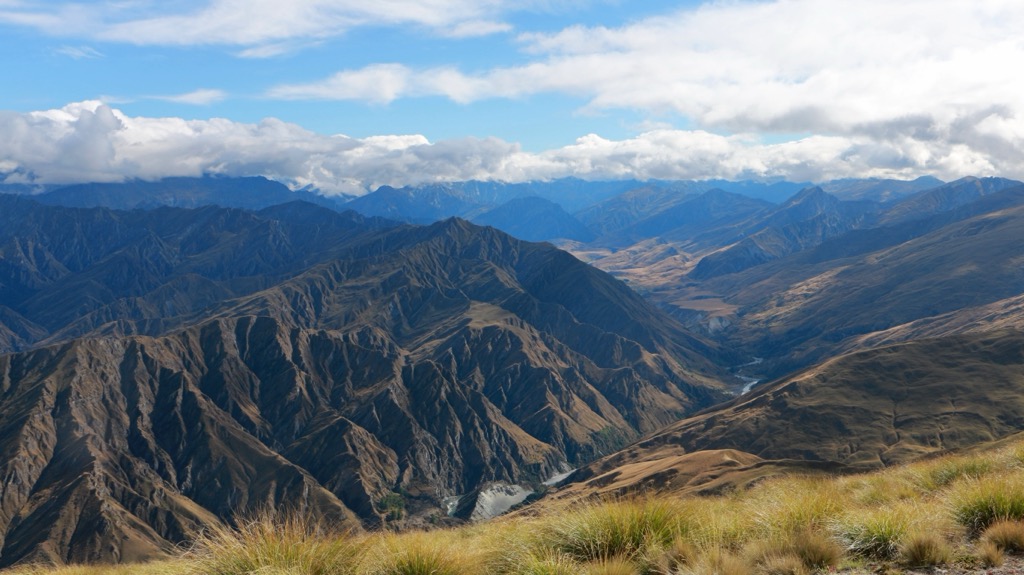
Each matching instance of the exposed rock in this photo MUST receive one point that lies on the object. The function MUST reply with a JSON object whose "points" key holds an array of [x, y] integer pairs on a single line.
{"points": [[193, 365]]}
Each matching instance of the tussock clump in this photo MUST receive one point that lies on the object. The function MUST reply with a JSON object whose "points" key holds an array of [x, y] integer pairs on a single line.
{"points": [[925, 549], [1007, 535], [612, 566], [717, 561], [979, 503], [718, 522], [884, 488], [945, 471], [620, 529], [990, 554], [785, 564], [547, 562], [813, 549], [671, 558], [799, 505], [875, 534], [268, 544], [816, 549], [430, 553]]}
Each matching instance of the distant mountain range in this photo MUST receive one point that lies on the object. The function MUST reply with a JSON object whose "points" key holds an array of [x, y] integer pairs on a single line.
{"points": [[164, 368], [575, 210]]}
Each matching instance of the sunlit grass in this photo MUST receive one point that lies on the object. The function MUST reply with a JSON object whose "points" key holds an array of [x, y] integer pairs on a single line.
{"points": [[172, 567], [269, 544], [981, 502], [1006, 535], [925, 549], [963, 509], [874, 533], [627, 529]]}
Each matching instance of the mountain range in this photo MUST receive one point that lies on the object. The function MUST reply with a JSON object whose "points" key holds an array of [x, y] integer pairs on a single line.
{"points": [[168, 369], [168, 364]]}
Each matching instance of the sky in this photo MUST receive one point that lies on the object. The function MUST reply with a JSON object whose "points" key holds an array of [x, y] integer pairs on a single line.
{"points": [[348, 95]]}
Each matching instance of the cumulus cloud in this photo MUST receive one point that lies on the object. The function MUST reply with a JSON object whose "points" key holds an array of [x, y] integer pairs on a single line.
{"points": [[93, 142], [917, 69]]}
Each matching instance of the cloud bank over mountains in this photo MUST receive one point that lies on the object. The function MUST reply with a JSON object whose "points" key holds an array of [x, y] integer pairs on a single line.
{"points": [[915, 84], [91, 141], [797, 89]]}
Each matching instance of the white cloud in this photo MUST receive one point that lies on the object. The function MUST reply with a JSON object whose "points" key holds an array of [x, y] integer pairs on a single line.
{"points": [[476, 28], [90, 141], [79, 52], [201, 97], [919, 69], [380, 83], [262, 27]]}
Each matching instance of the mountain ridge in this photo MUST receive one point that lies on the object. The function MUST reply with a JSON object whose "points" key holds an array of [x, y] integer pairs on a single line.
{"points": [[342, 359]]}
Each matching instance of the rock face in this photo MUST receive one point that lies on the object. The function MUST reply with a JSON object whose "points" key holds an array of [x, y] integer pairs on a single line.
{"points": [[168, 370]]}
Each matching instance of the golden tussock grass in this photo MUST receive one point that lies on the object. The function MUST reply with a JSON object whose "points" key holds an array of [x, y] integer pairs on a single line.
{"points": [[270, 544], [925, 549], [172, 567], [958, 508], [990, 554], [1006, 535], [978, 503]]}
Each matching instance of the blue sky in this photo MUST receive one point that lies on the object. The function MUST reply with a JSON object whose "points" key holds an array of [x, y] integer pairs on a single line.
{"points": [[60, 67], [346, 95]]}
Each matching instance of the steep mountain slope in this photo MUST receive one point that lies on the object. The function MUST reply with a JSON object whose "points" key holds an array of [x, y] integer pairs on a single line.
{"points": [[689, 219], [799, 311], [109, 450], [534, 219], [328, 361], [859, 411], [879, 190], [65, 272], [944, 198], [805, 220], [628, 208], [865, 409], [999, 315]]}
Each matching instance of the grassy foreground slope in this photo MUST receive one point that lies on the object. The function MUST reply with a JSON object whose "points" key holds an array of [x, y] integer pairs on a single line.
{"points": [[964, 510]]}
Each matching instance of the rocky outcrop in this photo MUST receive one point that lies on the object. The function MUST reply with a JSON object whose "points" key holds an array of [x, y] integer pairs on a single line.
{"points": [[204, 364]]}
